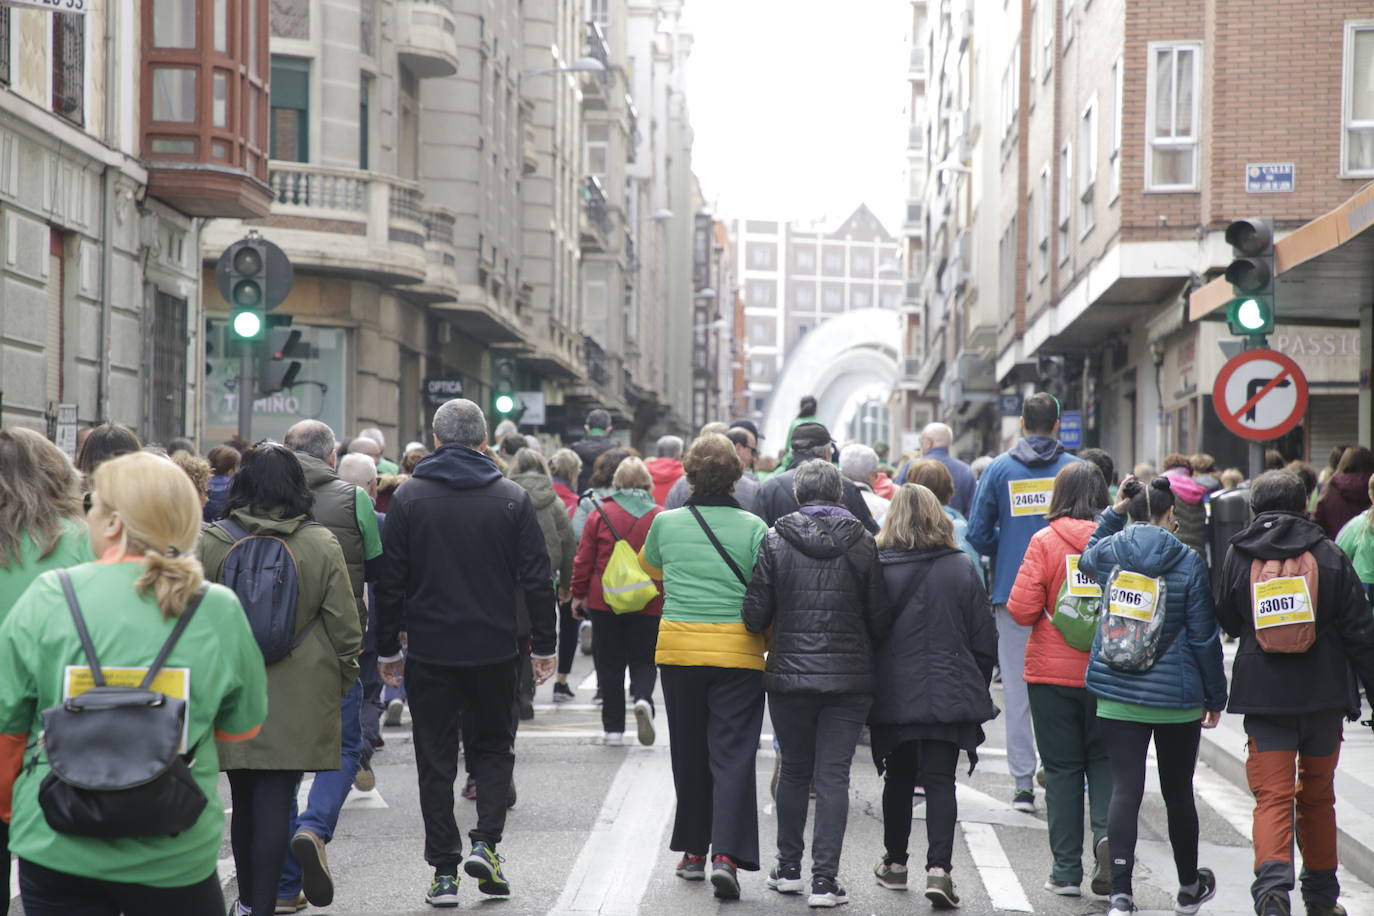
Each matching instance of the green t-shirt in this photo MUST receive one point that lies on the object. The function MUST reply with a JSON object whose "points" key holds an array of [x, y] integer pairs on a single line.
{"points": [[367, 524], [697, 585], [216, 656], [73, 547], [1152, 715], [1357, 542], [387, 466]]}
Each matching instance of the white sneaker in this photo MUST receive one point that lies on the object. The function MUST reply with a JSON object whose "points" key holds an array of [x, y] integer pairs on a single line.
{"points": [[584, 637], [644, 718], [393, 713], [613, 739]]}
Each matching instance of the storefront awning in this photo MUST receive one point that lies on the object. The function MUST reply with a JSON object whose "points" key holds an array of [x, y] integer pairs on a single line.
{"points": [[1324, 270]]}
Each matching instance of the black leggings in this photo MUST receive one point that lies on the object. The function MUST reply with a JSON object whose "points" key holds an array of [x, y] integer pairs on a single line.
{"points": [[1176, 746], [933, 762], [567, 637], [260, 832], [58, 893]]}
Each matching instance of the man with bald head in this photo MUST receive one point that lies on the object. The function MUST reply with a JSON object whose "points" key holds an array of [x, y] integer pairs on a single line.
{"points": [[362, 445], [936, 439]]}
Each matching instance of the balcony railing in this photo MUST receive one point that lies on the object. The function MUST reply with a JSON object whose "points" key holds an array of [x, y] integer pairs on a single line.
{"points": [[595, 357], [405, 204], [388, 209], [439, 226], [911, 367], [596, 210], [598, 50]]}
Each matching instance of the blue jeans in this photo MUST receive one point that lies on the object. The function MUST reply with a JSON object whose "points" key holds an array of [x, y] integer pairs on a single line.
{"points": [[329, 790]]}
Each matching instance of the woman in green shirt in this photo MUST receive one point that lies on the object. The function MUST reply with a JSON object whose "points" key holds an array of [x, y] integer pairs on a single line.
{"points": [[144, 522]]}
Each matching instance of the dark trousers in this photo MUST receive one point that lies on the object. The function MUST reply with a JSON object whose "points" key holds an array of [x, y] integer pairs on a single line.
{"points": [[715, 716], [5, 854], [1291, 768], [442, 699], [259, 832], [373, 707], [59, 893], [1176, 756], [931, 763], [567, 637], [1072, 751], [623, 641], [817, 734]]}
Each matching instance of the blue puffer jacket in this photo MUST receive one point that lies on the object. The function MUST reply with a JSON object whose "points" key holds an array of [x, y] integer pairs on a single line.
{"points": [[1189, 673]]}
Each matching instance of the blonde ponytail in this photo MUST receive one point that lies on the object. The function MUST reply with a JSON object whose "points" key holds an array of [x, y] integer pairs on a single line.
{"points": [[172, 581]]}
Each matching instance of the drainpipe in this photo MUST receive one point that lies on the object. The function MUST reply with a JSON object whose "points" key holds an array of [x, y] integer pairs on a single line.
{"points": [[107, 189]]}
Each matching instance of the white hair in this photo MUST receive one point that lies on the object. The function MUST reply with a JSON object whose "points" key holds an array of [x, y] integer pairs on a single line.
{"points": [[858, 462], [357, 469], [938, 435], [460, 422], [375, 435]]}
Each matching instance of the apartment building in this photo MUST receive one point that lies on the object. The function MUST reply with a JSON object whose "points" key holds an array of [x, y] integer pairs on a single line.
{"points": [[794, 277], [1121, 141], [116, 132]]}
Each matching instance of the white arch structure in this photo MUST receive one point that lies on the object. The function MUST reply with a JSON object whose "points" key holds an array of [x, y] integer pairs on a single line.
{"points": [[842, 361]]}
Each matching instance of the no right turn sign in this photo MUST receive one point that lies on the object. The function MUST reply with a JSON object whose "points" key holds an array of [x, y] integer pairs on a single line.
{"points": [[1260, 394]]}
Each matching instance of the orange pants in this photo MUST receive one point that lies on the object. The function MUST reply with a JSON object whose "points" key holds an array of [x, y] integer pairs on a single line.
{"points": [[1272, 780]]}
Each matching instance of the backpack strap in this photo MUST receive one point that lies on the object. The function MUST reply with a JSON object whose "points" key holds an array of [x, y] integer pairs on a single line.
{"points": [[596, 503], [182, 622], [233, 529], [715, 542], [87, 646]]}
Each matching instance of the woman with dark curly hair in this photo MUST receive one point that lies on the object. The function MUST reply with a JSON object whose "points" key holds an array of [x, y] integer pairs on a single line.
{"points": [[711, 666]]}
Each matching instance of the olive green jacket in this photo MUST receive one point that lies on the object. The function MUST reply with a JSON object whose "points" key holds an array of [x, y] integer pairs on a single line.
{"points": [[303, 689]]}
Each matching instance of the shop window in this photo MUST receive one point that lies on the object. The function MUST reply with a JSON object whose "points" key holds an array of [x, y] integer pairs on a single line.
{"points": [[290, 127], [168, 400], [69, 66]]}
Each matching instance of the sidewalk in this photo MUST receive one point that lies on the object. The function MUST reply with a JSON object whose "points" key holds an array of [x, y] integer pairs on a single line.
{"points": [[1223, 749]]}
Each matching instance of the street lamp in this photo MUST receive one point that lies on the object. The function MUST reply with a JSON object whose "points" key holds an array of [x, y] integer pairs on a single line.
{"points": [[581, 65]]}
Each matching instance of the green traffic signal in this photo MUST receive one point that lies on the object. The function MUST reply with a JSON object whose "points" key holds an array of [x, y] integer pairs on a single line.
{"points": [[1251, 275], [504, 404], [1250, 316], [247, 324]]}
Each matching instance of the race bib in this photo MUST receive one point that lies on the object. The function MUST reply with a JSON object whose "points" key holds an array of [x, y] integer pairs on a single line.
{"points": [[1030, 497], [174, 682], [1281, 602], [1134, 596], [1078, 584]]}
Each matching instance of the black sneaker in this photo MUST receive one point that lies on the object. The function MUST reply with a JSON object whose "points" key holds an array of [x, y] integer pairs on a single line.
{"points": [[443, 891], [1102, 868], [510, 795], [1321, 909], [485, 865], [1189, 903], [1024, 801], [940, 889], [785, 878], [562, 693], [691, 868], [724, 878], [826, 892], [1274, 905], [1121, 903]]}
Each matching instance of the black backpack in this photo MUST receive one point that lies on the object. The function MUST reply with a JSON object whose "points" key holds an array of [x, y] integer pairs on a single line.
{"points": [[113, 751], [262, 571]]}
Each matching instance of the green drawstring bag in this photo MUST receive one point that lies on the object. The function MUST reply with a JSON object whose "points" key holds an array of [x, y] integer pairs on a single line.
{"points": [[625, 586], [1077, 606]]}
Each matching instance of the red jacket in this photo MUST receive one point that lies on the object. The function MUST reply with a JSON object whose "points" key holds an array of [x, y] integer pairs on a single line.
{"points": [[665, 472], [566, 494], [1049, 660], [594, 552], [1345, 496]]}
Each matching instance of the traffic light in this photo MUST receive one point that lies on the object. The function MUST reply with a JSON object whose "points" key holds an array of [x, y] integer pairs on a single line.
{"points": [[276, 369], [247, 288], [504, 402], [1250, 312]]}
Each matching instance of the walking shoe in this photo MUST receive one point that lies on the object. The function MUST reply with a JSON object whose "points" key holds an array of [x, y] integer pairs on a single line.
{"points": [[526, 711], [613, 739], [366, 780], [1040, 777], [562, 693], [289, 904], [724, 878], [378, 742], [1190, 901], [1024, 800], [691, 868], [1321, 909], [1122, 903], [470, 789], [918, 791], [890, 874], [1273, 905], [485, 865], [1102, 868], [316, 881], [1063, 888], [443, 891], [393, 713], [240, 909], [826, 891], [584, 636], [510, 795], [940, 889], [644, 718], [785, 878]]}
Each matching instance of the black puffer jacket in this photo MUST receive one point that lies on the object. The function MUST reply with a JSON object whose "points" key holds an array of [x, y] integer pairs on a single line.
{"points": [[776, 498], [818, 584], [935, 667], [1323, 677]]}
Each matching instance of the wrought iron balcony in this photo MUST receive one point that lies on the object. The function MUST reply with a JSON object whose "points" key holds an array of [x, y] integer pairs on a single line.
{"points": [[596, 228]]}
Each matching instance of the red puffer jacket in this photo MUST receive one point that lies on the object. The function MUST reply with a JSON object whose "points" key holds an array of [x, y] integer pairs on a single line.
{"points": [[1049, 660], [594, 552]]}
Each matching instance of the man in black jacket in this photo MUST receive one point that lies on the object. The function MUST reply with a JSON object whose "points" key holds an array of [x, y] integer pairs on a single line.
{"points": [[810, 442], [1293, 701], [818, 586], [461, 541], [590, 446]]}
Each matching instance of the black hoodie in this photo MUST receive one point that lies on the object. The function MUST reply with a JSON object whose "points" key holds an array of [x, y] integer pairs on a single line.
{"points": [[817, 583], [460, 542], [1323, 677]]}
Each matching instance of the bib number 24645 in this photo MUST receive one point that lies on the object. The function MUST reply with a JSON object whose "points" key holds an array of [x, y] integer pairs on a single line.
{"points": [[1030, 497]]}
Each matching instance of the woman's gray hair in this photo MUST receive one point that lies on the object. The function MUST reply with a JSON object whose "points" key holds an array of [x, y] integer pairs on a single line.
{"points": [[526, 461], [460, 422], [566, 464], [858, 461], [817, 481]]}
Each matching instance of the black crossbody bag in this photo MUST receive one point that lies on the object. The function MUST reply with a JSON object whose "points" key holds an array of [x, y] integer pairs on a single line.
{"points": [[715, 542], [113, 751]]}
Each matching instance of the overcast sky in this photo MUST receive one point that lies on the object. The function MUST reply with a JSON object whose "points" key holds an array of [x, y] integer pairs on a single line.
{"points": [[799, 106]]}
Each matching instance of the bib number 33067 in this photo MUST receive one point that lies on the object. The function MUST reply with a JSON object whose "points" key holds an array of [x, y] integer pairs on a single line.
{"points": [[1030, 497], [1134, 596], [1281, 602]]}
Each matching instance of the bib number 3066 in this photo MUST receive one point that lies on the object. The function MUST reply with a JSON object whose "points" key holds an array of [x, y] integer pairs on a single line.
{"points": [[1134, 596]]}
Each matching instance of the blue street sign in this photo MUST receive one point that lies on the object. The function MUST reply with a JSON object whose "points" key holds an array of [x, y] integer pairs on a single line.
{"points": [[1010, 404], [1071, 429], [1269, 178]]}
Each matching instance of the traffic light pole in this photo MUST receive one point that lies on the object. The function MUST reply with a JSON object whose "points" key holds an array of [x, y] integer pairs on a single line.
{"points": [[246, 376], [1256, 449]]}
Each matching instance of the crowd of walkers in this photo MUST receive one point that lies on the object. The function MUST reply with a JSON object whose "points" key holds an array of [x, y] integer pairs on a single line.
{"points": [[260, 611]]}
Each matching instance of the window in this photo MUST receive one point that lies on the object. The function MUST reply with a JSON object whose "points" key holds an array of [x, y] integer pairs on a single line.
{"points": [[861, 264], [1035, 50], [834, 261], [805, 296], [69, 66], [1006, 266], [1065, 199], [364, 120], [168, 401], [290, 127], [860, 299], [598, 149], [832, 297], [1030, 239], [174, 24], [1068, 22], [1357, 141], [1047, 38], [805, 259], [1172, 117], [367, 28], [1087, 166], [598, 11], [1114, 156], [1042, 227], [1011, 83], [4, 45]]}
